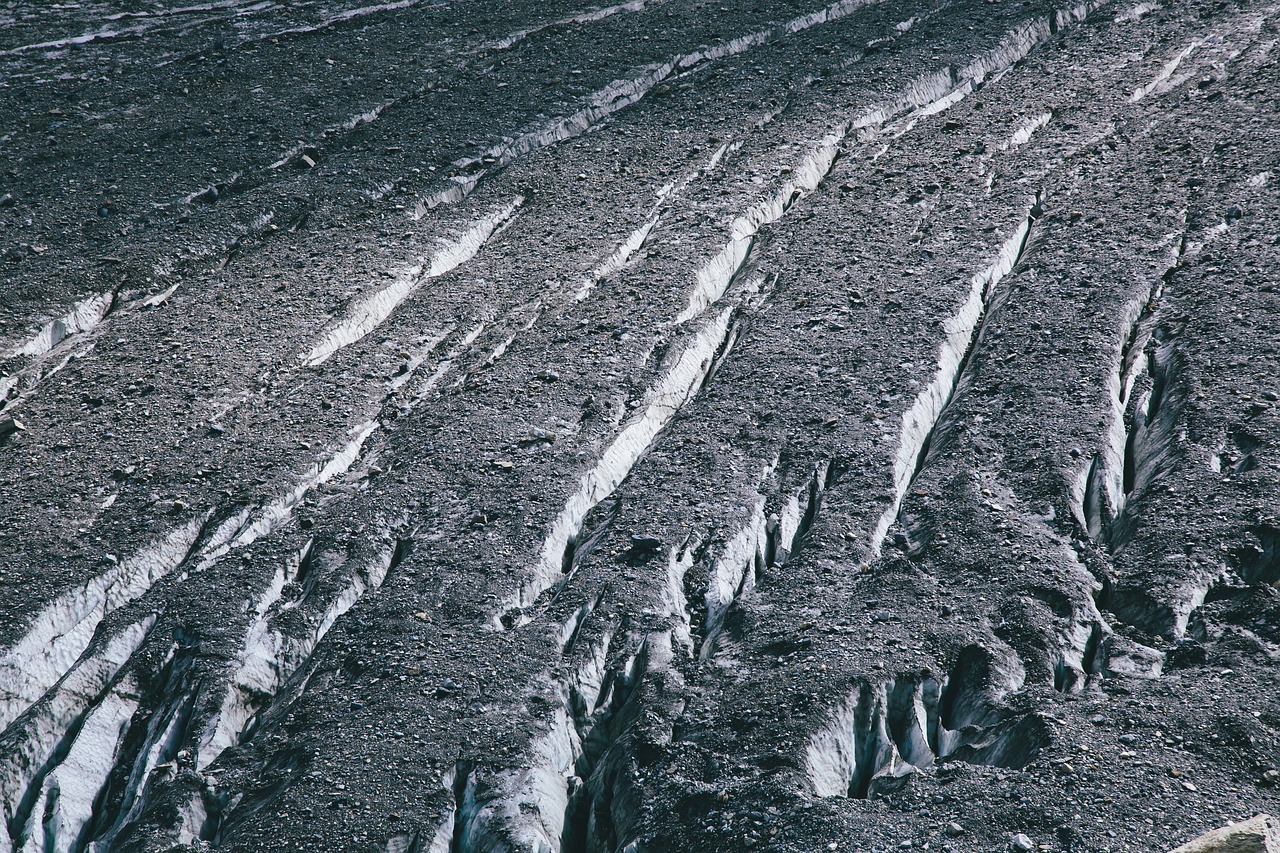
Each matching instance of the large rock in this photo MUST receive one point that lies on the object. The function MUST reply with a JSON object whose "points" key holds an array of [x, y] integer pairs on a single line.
{"points": [[1260, 834]]}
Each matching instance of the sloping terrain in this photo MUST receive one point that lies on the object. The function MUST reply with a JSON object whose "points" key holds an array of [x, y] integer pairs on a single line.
{"points": [[542, 426]]}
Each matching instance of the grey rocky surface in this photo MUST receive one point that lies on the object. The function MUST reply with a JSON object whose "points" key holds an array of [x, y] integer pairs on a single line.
{"points": [[668, 426]]}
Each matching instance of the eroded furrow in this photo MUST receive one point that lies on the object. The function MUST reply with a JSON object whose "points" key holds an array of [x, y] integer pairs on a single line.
{"points": [[677, 386], [964, 331], [619, 95], [895, 728], [60, 633], [367, 314]]}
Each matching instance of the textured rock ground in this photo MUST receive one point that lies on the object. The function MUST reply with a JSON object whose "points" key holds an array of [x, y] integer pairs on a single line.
{"points": [[669, 426]]}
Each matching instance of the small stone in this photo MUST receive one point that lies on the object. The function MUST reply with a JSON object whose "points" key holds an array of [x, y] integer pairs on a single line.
{"points": [[1022, 843], [503, 464], [216, 429], [954, 829], [6, 200], [1188, 786], [1063, 769], [9, 425], [1271, 777]]}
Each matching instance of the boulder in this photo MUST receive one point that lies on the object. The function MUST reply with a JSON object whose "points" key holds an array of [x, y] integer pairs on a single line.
{"points": [[1260, 834]]}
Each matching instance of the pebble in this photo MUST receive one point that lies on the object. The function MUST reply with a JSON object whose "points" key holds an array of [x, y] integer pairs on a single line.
{"points": [[954, 829], [1021, 842]]}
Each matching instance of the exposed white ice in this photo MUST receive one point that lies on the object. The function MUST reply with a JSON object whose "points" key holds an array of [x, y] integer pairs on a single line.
{"points": [[617, 96], [733, 574], [675, 388], [369, 312], [64, 806], [1164, 80], [417, 358], [83, 316], [518, 36], [619, 257], [1136, 12], [345, 15], [855, 739], [1024, 133], [533, 798], [34, 740], [717, 274], [919, 420], [367, 117], [60, 633], [446, 364], [269, 656], [238, 531]]}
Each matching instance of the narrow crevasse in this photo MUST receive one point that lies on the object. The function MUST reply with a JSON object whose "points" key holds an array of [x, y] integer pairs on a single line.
{"points": [[766, 541], [239, 531], [673, 390], [370, 311], [37, 742], [509, 41], [716, 276], [54, 818], [617, 96], [720, 273], [61, 632], [886, 730], [1103, 487], [560, 796], [83, 316], [270, 656], [963, 328]]}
